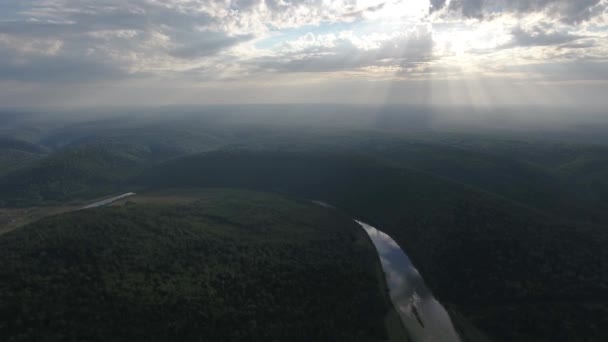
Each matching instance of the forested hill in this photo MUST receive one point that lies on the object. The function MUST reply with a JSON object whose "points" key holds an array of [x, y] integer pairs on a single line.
{"points": [[232, 266], [508, 227], [15, 153], [74, 173], [80, 157], [499, 263]]}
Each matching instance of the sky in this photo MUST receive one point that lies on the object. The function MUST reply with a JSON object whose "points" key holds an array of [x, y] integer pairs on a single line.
{"points": [[429, 52]]}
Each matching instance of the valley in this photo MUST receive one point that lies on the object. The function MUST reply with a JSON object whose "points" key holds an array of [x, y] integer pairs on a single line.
{"points": [[494, 224]]}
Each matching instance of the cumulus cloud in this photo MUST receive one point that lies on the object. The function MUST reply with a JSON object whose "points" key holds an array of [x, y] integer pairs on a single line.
{"points": [[541, 36], [346, 51], [565, 10]]}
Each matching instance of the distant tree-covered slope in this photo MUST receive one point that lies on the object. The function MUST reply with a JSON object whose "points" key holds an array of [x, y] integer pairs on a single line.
{"points": [[15, 153], [515, 170], [233, 266], [21, 145], [588, 171], [83, 171], [479, 252], [565, 179], [574, 174]]}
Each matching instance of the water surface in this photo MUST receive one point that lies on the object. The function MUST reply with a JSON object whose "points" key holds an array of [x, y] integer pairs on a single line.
{"points": [[108, 201], [424, 318]]}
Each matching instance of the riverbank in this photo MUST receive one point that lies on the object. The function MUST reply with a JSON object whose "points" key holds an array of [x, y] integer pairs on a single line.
{"points": [[393, 322], [423, 317]]}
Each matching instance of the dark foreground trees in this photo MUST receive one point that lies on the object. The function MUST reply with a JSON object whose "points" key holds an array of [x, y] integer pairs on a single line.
{"points": [[234, 266]]}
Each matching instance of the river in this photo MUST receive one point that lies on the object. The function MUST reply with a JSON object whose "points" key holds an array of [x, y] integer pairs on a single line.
{"points": [[424, 318], [108, 201]]}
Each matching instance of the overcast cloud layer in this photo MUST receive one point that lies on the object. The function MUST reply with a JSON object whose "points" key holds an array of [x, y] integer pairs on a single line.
{"points": [[100, 52]]}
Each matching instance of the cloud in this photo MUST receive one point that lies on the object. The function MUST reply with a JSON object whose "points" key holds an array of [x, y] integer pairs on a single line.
{"points": [[155, 36], [48, 68], [541, 36], [580, 70], [111, 38], [208, 43], [349, 52], [249, 42], [568, 11]]}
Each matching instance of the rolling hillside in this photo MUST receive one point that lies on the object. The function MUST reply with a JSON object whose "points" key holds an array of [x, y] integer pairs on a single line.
{"points": [[81, 172], [15, 153], [229, 266], [493, 260]]}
